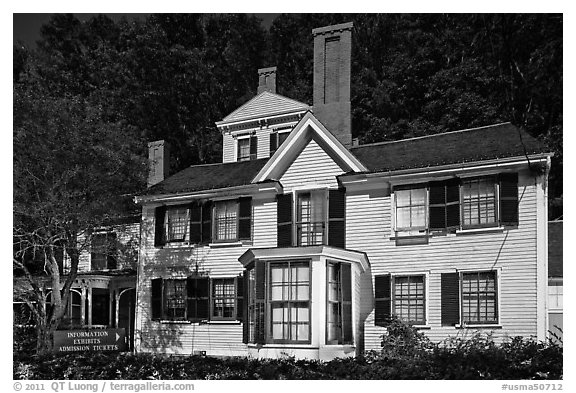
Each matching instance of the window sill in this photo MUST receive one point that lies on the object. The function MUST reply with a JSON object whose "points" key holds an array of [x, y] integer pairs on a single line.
{"points": [[273, 346], [479, 326], [471, 231], [231, 322], [422, 327], [170, 322], [223, 244]]}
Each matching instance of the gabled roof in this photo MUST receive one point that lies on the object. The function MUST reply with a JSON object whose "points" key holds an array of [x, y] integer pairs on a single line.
{"points": [[308, 127], [555, 252], [477, 144], [209, 177], [263, 105]]}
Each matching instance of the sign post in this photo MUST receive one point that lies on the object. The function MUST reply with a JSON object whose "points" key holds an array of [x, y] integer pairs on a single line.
{"points": [[100, 340]]}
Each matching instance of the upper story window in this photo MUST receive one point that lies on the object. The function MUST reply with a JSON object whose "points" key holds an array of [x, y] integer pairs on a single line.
{"points": [[277, 139], [226, 220], [411, 208], [103, 251], [247, 148], [202, 222], [457, 203], [311, 220], [479, 202], [177, 223], [307, 218]]}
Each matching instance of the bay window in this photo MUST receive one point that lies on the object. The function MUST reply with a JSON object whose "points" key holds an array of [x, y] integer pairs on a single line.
{"points": [[290, 301], [339, 304]]}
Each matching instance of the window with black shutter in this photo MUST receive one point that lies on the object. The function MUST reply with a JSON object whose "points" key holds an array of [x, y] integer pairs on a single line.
{"points": [[156, 299], [444, 205], [195, 223], [284, 220], [276, 140], [259, 302], [245, 219], [382, 300], [206, 222], [336, 220], [253, 147], [508, 198], [198, 298], [450, 299], [159, 234]]}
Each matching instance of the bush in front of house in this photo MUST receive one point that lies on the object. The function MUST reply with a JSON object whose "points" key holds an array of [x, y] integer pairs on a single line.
{"points": [[406, 354]]}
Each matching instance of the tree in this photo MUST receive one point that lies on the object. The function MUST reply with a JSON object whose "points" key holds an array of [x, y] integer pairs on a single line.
{"points": [[73, 171]]}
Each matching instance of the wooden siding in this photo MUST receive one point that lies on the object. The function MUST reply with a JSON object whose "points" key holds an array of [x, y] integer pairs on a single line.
{"points": [[216, 338], [313, 167], [128, 237], [512, 252], [263, 135]]}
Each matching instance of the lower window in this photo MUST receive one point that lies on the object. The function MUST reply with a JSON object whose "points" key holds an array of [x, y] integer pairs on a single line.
{"points": [[290, 302], [223, 298], [339, 304], [409, 299], [479, 298], [175, 299]]}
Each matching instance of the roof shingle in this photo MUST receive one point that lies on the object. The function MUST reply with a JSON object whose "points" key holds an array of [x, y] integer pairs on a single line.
{"points": [[209, 177], [484, 143]]}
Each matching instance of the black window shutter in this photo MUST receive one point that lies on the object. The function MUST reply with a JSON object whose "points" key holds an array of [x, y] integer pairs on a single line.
{"points": [[195, 223], [253, 147], [111, 248], [336, 222], [382, 300], [207, 222], [453, 203], [284, 207], [437, 205], [198, 298], [245, 218], [157, 298], [259, 333], [508, 198], [346, 276], [240, 298], [450, 298], [273, 143], [159, 234], [246, 321]]}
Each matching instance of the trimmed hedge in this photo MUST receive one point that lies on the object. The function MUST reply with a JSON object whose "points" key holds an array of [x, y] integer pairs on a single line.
{"points": [[406, 354]]}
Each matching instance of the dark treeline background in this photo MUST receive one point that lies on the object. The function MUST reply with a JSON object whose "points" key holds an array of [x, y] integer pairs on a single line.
{"points": [[172, 76]]}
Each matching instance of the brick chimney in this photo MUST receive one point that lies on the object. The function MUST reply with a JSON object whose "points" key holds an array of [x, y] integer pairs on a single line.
{"points": [[267, 80], [332, 62], [158, 162]]}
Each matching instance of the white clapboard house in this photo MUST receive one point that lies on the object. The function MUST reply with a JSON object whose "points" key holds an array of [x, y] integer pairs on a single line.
{"points": [[302, 243]]}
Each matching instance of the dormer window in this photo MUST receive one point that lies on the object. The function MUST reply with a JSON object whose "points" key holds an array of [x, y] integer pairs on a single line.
{"points": [[247, 148]]}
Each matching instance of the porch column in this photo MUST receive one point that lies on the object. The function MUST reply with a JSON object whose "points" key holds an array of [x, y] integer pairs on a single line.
{"points": [[117, 309], [89, 305], [111, 296], [83, 306]]}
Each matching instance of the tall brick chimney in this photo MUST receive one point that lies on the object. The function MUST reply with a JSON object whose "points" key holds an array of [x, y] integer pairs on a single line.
{"points": [[267, 80], [332, 63], [158, 162]]}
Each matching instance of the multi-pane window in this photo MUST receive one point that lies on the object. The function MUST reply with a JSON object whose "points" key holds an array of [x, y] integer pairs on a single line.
{"points": [[103, 251], [290, 301], [334, 312], [411, 210], [223, 298], [176, 223], [251, 317], [555, 295], [479, 298], [311, 220], [409, 299], [175, 299], [244, 149], [479, 202], [226, 220]]}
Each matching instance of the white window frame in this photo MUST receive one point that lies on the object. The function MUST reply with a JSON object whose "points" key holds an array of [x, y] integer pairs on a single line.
{"points": [[498, 271], [426, 274], [301, 190], [420, 231], [215, 239], [241, 137]]}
